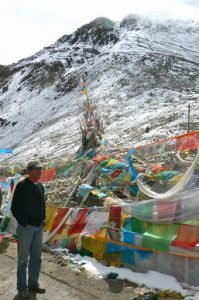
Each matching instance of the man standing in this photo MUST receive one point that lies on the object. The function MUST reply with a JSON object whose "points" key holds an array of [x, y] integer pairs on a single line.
{"points": [[0, 200], [28, 207]]}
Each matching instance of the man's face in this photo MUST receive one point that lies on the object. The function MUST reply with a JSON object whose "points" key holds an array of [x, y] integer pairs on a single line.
{"points": [[35, 174]]}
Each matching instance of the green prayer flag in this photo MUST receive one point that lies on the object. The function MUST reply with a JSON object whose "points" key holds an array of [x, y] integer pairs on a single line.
{"points": [[159, 237]]}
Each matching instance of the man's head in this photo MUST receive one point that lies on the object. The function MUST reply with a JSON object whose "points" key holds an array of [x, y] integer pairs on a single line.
{"points": [[34, 169]]}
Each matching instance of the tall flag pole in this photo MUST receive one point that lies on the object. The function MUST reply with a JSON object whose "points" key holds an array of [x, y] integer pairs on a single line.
{"points": [[83, 87], [84, 91]]}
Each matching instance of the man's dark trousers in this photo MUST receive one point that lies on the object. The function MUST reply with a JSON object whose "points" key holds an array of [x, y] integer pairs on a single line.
{"points": [[29, 244]]}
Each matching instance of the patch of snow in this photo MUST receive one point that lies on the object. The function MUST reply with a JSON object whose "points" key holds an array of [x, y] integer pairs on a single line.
{"points": [[151, 279]]}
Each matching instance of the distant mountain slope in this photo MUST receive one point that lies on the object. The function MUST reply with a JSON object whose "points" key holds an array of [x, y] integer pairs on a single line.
{"points": [[138, 73]]}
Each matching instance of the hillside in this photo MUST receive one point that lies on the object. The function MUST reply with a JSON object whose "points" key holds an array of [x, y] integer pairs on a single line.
{"points": [[138, 73]]}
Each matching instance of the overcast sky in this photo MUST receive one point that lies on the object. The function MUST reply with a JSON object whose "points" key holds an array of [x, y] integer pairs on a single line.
{"points": [[29, 25]]}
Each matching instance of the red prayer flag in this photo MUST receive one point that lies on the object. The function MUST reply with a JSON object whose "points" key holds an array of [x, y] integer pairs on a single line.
{"points": [[79, 223], [47, 175], [60, 213], [188, 142], [188, 236]]}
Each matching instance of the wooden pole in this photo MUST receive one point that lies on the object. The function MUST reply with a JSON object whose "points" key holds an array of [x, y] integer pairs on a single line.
{"points": [[189, 113]]}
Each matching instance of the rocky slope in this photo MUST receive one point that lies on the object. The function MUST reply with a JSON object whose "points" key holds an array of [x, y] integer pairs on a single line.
{"points": [[138, 73]]}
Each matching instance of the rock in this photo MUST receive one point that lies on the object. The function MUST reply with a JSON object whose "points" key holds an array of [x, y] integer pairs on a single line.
{"points": [[63, 264], [4, 122], [43, 74], [5, 88], [4, 244], [112, 275]]}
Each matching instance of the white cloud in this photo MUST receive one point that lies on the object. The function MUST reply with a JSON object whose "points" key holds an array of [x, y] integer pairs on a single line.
{"points": [[28, 26], [192, 2]]}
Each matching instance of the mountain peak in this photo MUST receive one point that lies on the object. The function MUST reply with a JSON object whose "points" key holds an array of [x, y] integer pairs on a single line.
{"points": [[100, 31], [133, 21]]}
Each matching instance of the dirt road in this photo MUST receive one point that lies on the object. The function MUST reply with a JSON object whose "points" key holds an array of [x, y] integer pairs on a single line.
{"points": [[60, 282]]}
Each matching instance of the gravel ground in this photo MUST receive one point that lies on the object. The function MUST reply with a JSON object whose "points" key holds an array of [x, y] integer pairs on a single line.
{"points": [[60, 282]]}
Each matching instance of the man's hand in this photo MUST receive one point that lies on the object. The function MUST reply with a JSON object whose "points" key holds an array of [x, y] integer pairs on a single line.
{"points": [[27, 226]]}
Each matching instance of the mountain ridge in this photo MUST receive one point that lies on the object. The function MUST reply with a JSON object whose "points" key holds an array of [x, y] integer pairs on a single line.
{"points": [[139, 73]]}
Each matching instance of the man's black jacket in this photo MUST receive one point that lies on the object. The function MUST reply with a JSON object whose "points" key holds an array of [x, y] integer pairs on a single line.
{"points": [[28, 204], [0, 198]]}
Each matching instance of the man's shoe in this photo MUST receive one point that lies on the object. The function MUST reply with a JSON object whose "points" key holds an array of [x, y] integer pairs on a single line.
{"points": [[24, 294], [36, 289]]}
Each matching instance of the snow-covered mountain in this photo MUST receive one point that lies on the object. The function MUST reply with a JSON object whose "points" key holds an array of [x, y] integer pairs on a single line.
{"points": [[138, 72]]}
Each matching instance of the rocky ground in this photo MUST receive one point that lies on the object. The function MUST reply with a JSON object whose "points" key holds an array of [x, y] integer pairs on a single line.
{"points": [[62, 282], [65, 280]]}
